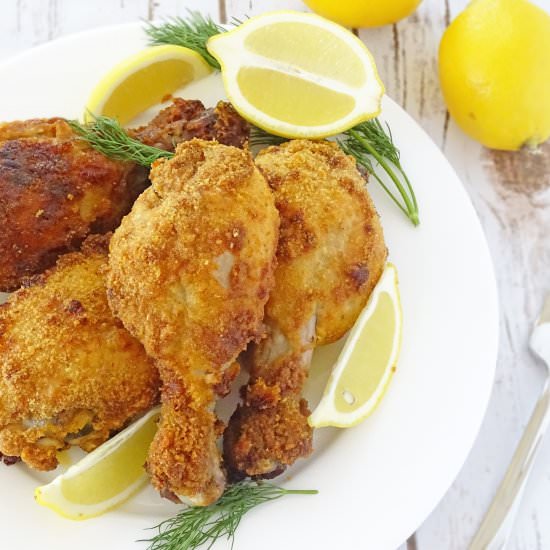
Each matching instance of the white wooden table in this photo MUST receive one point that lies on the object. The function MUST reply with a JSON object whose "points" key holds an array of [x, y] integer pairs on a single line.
{"points": [[511, 193]]}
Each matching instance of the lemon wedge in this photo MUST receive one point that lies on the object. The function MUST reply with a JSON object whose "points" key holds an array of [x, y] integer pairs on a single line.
{"points": [[106, 477], [298, 75], [367, 361], [143, 80]]}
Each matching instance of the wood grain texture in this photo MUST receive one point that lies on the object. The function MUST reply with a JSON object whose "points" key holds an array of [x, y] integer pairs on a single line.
{"points": [[28, 23], [510, 191], [499, 186]]}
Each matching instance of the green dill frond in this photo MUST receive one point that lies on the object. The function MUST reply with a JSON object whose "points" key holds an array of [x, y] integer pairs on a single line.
{"points": [[204, 525], [368, 142], [372, 147], [261, 138], [191, 32], [107, 136]]}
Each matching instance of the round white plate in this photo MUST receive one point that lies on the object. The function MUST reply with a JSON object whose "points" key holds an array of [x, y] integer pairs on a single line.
{"points": [[377, 482]]}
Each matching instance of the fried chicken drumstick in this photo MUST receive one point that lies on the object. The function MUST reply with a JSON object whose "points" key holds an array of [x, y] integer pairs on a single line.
{"points": [[70, 373], [190, 272], [330, 255]]}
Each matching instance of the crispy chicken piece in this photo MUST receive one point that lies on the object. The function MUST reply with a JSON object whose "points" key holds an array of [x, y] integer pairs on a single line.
{"points": [[190, 272], [54, 191], [70, 373], [186, 119], [331, 253]]}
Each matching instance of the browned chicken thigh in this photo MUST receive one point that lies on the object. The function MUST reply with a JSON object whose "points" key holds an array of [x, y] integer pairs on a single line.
{"points": [[330, 255], [190, 271], [70, 373], [54, 191]]}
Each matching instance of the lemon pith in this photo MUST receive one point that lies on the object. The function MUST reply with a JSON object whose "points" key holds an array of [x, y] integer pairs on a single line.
{"points": [[298, 75], [367, 362], [106, 477], [143, 80]]}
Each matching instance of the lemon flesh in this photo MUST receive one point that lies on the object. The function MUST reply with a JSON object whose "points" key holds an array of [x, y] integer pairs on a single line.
{"points": [[144, 80], [106, 477], [292, 105], [298, 75], [494, 68], [303, 46], [367, 362], [373, 13]]}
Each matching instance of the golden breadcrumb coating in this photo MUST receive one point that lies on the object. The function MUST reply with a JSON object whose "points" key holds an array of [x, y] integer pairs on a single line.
{"points": [[330, 255], [54, 191], [70, 373], [190, 271]]}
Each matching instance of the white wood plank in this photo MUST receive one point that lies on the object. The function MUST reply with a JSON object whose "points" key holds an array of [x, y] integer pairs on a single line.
{"points": [[170, 8], [242, 8], [406, 61], [34, 22], [78, 15], [27, 23], [9, 30]]}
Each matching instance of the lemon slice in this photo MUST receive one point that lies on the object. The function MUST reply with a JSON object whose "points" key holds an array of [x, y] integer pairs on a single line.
{"points": [[298, 75], [367, 361], [106, 477], [143, 80]]}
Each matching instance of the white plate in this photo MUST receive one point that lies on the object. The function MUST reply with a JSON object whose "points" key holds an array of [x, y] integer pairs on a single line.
{"points": [[378, 481]]}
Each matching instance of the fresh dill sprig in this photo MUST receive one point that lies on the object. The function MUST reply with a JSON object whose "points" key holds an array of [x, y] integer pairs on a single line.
{"points": [[197, 525], [370, 145], [107, 136], [369, 141], [259, 137], [192, 32]]}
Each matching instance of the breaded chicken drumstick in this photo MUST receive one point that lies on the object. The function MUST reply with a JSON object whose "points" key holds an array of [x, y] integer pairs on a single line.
{"points": [[330, 255], [190, 272]]}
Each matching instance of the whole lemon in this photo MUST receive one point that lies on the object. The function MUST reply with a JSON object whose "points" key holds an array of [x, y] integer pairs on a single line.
{"points": [[494, 67], [363, 13]]}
